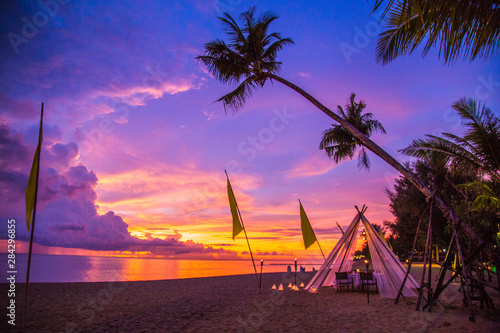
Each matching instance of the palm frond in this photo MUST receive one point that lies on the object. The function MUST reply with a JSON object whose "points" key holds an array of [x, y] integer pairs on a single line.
{"points": [[247, 58], [231, 28], [363, 160], [461, 29], [271, 52], [341, 112], [476, 152], [403, 35], [237, 98], [225, 64], [482, 130]]}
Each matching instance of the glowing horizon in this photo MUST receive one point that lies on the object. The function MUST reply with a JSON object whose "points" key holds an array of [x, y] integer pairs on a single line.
{"points": [[135, 148]]}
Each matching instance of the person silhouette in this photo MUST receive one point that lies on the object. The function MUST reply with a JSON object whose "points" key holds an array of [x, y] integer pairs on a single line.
{"points": [[289, 269]]}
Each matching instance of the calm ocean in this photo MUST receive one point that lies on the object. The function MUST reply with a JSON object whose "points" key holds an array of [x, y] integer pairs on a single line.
{"points": [[62, 268]]}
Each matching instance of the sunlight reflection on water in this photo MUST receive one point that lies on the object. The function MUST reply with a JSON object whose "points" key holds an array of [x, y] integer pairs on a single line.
{"points": [[62, 268]]}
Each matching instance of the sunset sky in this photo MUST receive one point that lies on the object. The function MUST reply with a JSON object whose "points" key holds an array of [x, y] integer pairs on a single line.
{"points": [[135, 148]]}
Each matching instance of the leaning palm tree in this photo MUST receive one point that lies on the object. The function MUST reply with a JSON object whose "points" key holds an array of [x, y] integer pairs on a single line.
{"points": [[477, 152], [339, 143], [462, 28], [249, 60]]}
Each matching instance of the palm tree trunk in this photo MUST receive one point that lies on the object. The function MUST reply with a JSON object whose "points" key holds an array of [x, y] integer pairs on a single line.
{"points": [[368, 143]]}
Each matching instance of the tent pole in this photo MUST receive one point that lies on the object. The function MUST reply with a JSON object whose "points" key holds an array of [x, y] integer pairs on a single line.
{"points": [[348, 245], [321, 275], [376, 234]]}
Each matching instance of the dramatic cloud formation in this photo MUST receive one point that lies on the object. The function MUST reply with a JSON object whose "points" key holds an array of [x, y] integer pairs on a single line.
{"points": [[67, 213], [135, 148]]}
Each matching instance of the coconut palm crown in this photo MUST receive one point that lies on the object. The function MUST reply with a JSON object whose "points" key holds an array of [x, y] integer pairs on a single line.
{"points": [[477, 152], [461, 28], [339, 143], [249, 56]]}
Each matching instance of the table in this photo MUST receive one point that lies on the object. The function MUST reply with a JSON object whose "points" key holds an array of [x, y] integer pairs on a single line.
{"points": [[355, 278]]}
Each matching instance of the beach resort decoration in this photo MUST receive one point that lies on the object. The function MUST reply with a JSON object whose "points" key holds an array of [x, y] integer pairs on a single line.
{"points": [[302, 285], [31, 199], [471, 284], [248, 60], [341, 230], [389, 272], [273, 287], [290, 285], [238, 225], [281, 286], [307, 231]]}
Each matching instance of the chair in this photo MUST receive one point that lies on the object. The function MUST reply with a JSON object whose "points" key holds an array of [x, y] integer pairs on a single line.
{"points": [[342, 279], [366, 279]]}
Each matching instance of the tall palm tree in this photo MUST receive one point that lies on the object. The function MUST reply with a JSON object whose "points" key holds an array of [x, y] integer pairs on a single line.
{"points": [[462, 28], [250, 61], [339, 143], [477, 152]]}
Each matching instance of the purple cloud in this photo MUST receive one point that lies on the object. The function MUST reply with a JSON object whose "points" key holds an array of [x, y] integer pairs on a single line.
{"points": [[67, 213]]}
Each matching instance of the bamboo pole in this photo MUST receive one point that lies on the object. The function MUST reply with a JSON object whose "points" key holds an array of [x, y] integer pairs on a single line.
{"points": [[33, 223], [464, 270], [411, 257], [429, 291], [246, 236], [249, 248], [426, 258]]}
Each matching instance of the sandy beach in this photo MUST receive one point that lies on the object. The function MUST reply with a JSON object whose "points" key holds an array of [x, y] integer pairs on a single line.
{"points": [[232, 304]]}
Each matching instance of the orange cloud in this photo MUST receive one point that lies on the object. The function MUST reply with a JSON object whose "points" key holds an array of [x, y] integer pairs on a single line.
{"points": [[314, 165]]}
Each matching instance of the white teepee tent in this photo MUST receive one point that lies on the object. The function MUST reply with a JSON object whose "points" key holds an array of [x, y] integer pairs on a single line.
{"points": [[391, 271]]}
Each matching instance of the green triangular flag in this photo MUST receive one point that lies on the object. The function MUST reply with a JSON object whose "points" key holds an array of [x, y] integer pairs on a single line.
{"points": [[33, 180], [237, 227], [307, 231]]}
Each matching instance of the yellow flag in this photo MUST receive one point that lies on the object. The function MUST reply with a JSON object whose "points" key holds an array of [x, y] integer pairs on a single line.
{"points": [[307, 231], [33, 180], [237, 227]]}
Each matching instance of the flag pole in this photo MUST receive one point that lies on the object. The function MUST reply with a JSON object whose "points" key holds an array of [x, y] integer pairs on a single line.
{"points": [[249, 249], [245, 230], [33, 221], [321, 249]]}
